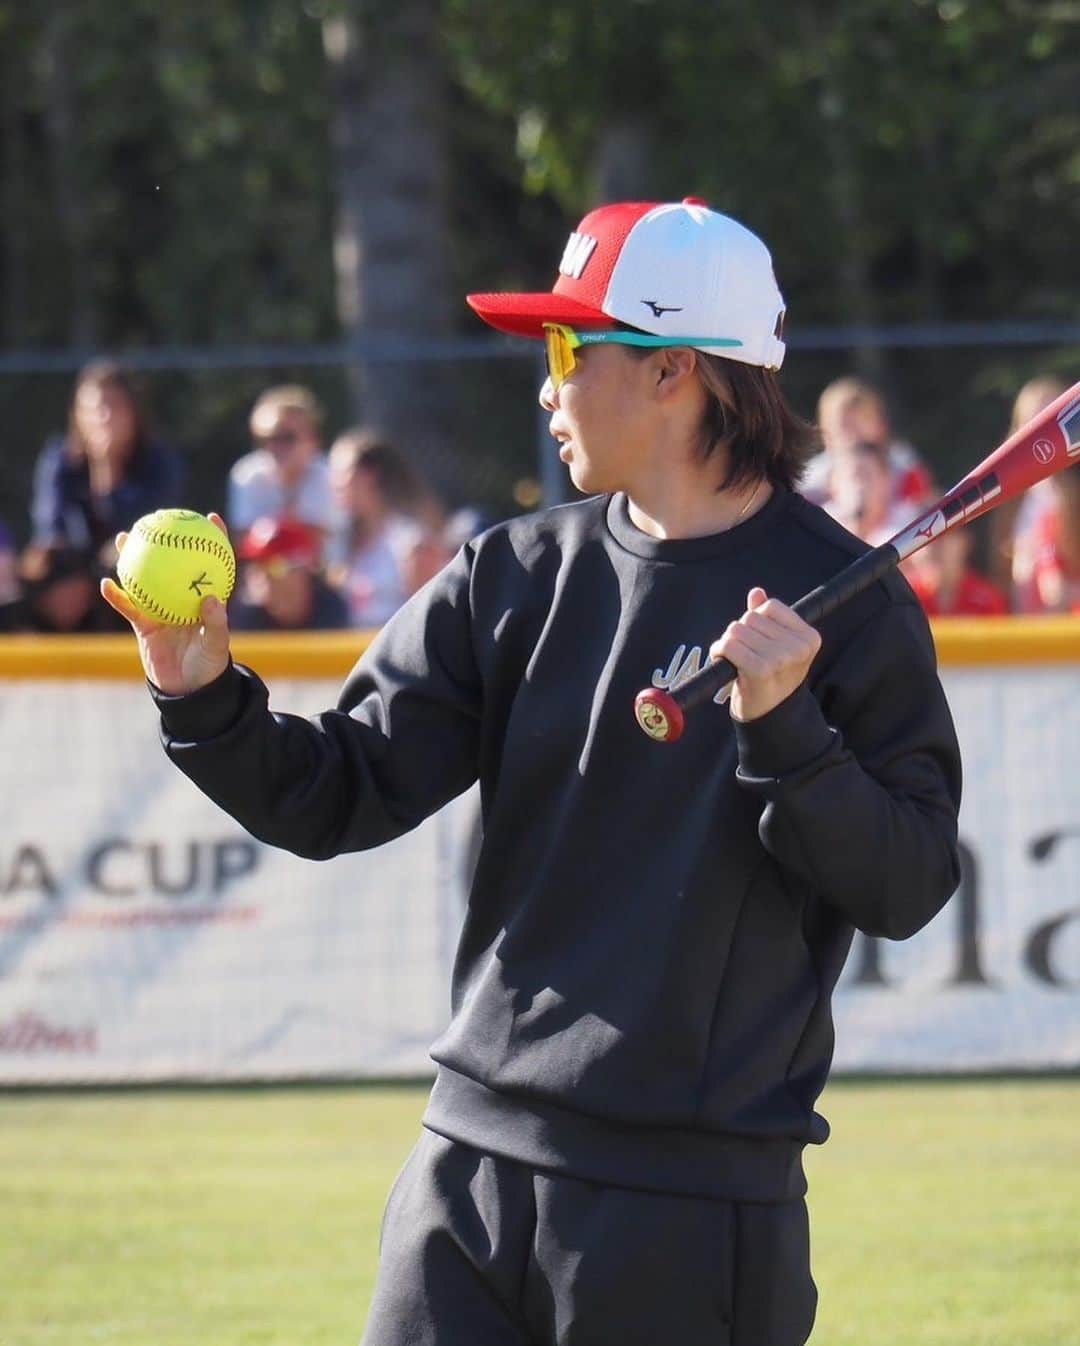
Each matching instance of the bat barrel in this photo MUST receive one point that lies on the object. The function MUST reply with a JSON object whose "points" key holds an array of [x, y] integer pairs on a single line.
{"points": [[1048, 443]]}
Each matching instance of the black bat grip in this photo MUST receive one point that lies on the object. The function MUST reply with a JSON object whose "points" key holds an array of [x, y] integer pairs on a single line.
{"points": [[852, 580], [660, 714]]}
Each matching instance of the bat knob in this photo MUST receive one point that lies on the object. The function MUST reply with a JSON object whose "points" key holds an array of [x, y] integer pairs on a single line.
{"points": [[659, 715]]}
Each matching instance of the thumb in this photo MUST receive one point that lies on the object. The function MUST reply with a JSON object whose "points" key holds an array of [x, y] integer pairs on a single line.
{"points": [[755, 598], [215, 626]]}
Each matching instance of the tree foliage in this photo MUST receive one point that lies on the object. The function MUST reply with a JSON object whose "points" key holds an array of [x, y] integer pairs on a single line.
{"points": [[936, 143], [168, 172]]}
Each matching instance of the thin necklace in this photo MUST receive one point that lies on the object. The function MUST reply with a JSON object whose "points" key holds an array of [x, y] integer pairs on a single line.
{"points": [[750, 501]]}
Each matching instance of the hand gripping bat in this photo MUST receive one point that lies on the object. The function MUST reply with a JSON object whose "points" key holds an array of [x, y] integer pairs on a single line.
{"points": [[1048, 443]]}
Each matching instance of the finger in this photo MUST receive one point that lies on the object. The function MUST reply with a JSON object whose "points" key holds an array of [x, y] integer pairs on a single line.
{"points": [[121, 603], [734, 646], [218, 522], [756, 598], [789, 639], [722, 647], [769, 653], [121, 538], [761, 639], [215, 625], [748, 661], [787, 617]]}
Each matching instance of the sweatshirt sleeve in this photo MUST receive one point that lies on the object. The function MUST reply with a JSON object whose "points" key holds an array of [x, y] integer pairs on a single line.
{"points": [[402, 741], [861, 778]]}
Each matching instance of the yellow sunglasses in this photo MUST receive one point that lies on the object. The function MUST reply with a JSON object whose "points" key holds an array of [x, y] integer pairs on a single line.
{"points": [[560, 343]]}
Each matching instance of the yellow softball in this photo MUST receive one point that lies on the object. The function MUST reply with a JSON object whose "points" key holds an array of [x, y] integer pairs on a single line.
{"points": [[171, 561]]}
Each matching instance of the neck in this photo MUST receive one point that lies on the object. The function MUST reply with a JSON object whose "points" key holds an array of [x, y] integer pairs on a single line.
{"points": [[673, 506], [106, 471]]}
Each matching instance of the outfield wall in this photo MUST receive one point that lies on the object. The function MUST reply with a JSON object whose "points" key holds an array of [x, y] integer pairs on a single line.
{"points": [[144, 936]]}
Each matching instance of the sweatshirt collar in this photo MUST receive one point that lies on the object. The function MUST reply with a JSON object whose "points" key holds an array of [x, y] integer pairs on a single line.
{"points": [[632, 539]]}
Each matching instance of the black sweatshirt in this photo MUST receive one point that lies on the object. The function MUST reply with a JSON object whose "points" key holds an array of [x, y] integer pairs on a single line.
{"points": [[641, 993]]}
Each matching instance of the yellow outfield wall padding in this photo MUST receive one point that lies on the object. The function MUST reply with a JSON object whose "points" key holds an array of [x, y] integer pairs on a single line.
{"points": [[303, 654], [961, 641]]}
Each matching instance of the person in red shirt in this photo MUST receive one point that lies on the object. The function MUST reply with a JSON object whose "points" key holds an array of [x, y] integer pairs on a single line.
{"points": [[1014, 526], [1055, 579], [948, 585]]}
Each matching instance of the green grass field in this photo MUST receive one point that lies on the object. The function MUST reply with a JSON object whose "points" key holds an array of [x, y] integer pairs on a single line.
{"points": [[944, 1214]]}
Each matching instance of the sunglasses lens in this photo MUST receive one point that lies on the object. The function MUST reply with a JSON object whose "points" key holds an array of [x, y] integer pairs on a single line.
{"points": [[560, 356]]}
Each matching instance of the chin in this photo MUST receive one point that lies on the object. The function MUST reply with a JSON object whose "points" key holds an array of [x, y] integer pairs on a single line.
{"points": [[588, 481]]}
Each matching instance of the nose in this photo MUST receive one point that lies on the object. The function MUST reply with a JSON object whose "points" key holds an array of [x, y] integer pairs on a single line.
{"points": [[548, 395]]}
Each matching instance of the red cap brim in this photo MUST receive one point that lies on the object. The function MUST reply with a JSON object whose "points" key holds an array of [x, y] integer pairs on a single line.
{"points": [[525, 314]]}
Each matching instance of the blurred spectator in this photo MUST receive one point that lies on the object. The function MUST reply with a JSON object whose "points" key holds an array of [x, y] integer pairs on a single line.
{"points": [[463, 525], [60, 592], [948, 585], [1054, 582], [9, 581], [105, 472], [861, 496], [281, 587], [286, 475], [1014, 526], [391, 540], [851, 412]]}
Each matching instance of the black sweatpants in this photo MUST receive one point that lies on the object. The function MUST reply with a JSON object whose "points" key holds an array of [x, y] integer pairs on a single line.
{"points": [[483, 1251]]}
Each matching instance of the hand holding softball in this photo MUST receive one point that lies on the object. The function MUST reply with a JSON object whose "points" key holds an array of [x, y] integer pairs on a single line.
{"points": [[773, 648], [179, 620]]}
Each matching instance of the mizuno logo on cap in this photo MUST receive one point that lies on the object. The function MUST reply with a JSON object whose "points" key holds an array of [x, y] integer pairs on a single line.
{"points": [[659, 309], [579, 248]]}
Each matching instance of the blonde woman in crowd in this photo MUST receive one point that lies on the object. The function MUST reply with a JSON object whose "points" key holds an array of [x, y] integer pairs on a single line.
{"points": [[286, 474], [850, 411], [1053, 584], [1017, 526]]}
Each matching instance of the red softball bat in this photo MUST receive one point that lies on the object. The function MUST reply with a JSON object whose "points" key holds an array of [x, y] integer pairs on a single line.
{"points": [[1048, 443]]}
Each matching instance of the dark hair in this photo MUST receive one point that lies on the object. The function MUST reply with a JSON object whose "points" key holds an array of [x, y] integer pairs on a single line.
{"points": [[400, 484], [747, 414], [106, 374]]}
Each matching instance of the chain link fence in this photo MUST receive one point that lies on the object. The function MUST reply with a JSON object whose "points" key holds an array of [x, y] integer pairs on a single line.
{"points": [[949, 389]]}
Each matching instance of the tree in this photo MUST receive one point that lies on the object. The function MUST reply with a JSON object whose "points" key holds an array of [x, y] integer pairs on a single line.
{"points": [[392, 230]]}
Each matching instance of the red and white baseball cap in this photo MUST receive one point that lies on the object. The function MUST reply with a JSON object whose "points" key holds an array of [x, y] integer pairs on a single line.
{"points": [[675, 268]]}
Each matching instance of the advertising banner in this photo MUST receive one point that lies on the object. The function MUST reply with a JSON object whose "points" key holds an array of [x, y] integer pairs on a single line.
{"points": [[993, 982], [145, 936]]}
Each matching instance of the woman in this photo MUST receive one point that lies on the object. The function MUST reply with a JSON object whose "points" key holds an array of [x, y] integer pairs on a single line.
{"points": [[1019, 528], [1054, 581], [850, 411], [386, 548], [641, 1026], [105, 472]]}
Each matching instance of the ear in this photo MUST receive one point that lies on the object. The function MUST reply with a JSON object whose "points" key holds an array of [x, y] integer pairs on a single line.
{"points": [[675, 367]]}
